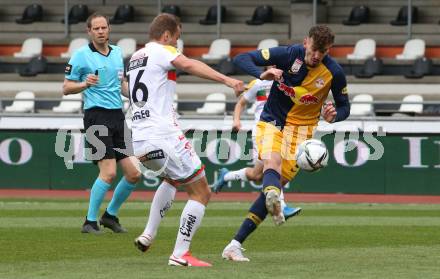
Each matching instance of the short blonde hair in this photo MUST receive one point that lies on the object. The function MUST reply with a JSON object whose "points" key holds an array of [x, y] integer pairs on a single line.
{"points": [[96, 15], [161, 23]]}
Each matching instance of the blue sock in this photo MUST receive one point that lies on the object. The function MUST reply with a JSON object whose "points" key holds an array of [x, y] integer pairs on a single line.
{"points": [[97, 194], [257, 213], [271, 180], [122, 191]]}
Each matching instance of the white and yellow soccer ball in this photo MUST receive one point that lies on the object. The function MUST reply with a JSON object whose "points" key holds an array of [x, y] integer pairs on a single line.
{"points": [[312, 155]]}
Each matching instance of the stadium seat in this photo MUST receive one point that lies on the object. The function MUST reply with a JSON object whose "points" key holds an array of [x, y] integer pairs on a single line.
{"points": [[402, 16], [180, 45], [421, 67], [219, 49], [358, 15], [69, 104], [124, 13], [411, 104], [73, 46], [372, 66], [128, 46], [432, 110], [362, 105], [211, 15], [214, 104], [364, 49], [35, 66], [78, 13], [31, 47], [171, 9], [31, 14], [412, 50], [23, 102], [262, 14], [267, 43]]}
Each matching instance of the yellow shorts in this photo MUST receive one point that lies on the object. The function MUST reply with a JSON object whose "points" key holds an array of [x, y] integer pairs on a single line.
{"points": [[271, 139]]}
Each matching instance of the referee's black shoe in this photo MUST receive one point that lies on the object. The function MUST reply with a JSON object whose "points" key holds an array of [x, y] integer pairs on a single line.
{"points": [[111, 222], [91, 227]]}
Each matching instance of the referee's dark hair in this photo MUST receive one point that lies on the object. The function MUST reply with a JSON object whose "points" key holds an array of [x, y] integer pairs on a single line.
{"points": [[161, 23], [96, 15]]}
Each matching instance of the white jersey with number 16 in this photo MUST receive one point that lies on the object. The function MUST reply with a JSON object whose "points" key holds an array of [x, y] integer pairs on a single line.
{"points": [[152, 84]]}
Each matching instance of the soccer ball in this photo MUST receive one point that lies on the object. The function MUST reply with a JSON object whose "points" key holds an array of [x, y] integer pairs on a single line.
{"points": [[312, 155]]}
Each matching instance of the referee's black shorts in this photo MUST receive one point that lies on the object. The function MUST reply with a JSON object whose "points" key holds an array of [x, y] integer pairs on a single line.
{"points": [[105, 133]]}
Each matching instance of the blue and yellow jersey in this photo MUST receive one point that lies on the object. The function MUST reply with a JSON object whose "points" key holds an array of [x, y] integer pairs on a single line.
{"points": [[299, 97]]}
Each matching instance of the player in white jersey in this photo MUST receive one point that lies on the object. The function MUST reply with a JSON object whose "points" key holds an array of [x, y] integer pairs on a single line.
{"points": [[257, 91], [158, 141]]}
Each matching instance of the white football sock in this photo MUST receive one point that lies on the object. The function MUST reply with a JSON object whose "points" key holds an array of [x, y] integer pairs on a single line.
{"points": [[236, 175], [283, 203], [235, 243], [190, 221], [162, 201]]}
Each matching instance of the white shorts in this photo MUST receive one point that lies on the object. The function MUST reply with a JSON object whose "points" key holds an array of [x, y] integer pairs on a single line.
{"points": [[172, 158]]}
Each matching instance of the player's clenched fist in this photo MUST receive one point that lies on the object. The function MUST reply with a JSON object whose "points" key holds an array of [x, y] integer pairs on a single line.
{"points": [[236, 84], [236, 125], [329, 112], [272, 74]]}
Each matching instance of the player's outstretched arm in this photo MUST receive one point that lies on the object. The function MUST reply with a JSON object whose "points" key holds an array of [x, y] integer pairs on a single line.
{"points": [[202, 70], [272, 74], [239, 107], [245, 62], [251, 61], [340, 95]]}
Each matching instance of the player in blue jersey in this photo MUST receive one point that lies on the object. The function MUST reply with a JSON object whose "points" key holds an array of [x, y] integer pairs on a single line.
{"points": [[257, 92], [97, 70], [303, 77]]}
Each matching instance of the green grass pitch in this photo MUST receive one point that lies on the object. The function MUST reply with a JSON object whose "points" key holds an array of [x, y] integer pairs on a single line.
{"points": [[42, 239]]}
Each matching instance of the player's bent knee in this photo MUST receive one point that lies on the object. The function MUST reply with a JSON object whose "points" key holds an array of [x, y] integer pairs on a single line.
{"points": [[107, 176], [254, 175], [199, 191], [133, 177], [202, 198], [203, 195], [257, 176], [275, 167]]}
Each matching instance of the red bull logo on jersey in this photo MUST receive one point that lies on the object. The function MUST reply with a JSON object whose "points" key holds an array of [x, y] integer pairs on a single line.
{"points": [[308, 99], [295, 66], [288, 91], [319, 83]]}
